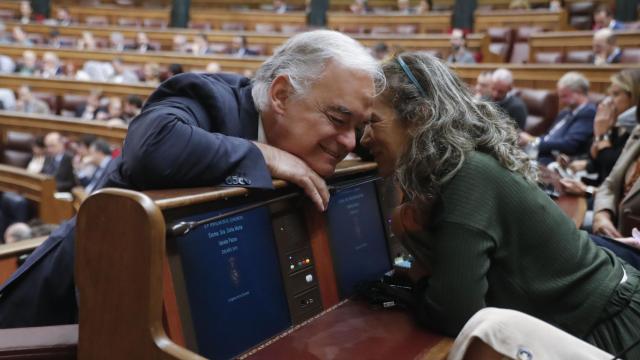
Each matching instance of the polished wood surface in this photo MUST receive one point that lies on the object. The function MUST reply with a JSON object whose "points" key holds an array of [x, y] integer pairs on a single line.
{"points": [[434, 22], [270, 41], [39, 343], [63, 86], [37, 188], [119, 278], [565, 41], [188, 61], [546, 19], [42, 124], [544, 76], [353, 330]]}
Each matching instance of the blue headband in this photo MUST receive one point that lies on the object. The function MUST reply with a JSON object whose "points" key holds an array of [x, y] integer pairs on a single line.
{"points": [[409, 74]]}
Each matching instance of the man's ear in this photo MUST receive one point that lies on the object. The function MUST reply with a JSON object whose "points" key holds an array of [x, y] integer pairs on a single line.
{"points": [[279, 94]]}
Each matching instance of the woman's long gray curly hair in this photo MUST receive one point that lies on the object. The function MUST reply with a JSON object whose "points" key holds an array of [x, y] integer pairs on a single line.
{"points": [[445, 125]]}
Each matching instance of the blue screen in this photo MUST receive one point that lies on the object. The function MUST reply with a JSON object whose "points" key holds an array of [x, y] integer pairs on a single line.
{"points": [[234, 284], [358, 240]]}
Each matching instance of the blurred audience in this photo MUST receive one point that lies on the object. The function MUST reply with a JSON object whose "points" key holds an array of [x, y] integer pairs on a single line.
{"points": [[16, 232], [51, 67], [503, 94], [459, 52], [482, 89], [200, 45], [239, 47], [132, 107], [26, 12], [38, 153], [86, 42], [28, 103], [58, 162], [142, 43], [603, 19], [605, 49], [380, 51], [28, 64], [360, 7], [20, 38]]}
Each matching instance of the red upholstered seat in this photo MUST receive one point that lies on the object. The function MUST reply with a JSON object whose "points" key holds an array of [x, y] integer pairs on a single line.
{"points": [[543, 108]]}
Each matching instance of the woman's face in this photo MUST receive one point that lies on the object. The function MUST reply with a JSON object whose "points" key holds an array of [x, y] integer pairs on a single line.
{"points": [[384, 136], [621, 99]]}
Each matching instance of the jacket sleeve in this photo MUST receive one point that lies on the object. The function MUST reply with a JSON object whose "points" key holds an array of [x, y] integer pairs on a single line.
{"points": [[575, 139], [608, 195], [165, 148], [65, 179]]}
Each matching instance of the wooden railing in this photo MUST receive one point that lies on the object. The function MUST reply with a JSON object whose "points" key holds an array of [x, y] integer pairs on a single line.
{"points": [[188, 61], [546, 19], [565, 41], [62, 86], [42, 124]]}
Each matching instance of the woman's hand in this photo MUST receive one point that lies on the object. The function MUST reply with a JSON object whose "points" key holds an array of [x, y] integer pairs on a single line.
{"points": [[573, 187], [605, 117], [578, 165], [603, 225]]}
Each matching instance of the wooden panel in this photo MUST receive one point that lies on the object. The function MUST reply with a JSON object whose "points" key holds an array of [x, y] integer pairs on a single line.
{"points": [[546, 19], [575, 40], [437, 22], [62, 86], [543, 76], [9, 254], [440, 42], [189, 62], [41, 124]]}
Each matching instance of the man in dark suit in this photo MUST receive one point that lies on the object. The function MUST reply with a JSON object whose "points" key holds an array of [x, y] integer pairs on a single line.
{"points": [[295, 122], [605, 49], [58, 163], [503, 94], [572, 130]]}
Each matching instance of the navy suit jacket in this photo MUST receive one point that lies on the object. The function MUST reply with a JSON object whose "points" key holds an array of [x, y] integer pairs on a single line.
{"points": [[573, 138], [194, 130]]}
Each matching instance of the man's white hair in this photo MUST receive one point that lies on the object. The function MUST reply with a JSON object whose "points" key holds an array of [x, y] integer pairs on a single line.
{"points": [[304, 57], [503, 75], [605, 34], [574, 81]]}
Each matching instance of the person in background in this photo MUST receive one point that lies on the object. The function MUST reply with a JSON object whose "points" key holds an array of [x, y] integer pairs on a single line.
{"points": [[359, 7], [142, 43], [116, 41], [26, 12], [132, 108], [459, 53], [58, 163], [20, 38], [380, 51], [114, 111], [100, 156], [519, 5], [280, 6], [63, 17], [200, 45], [239, 47], [174, 69], [424, 6], [82, 166], [16, 232], [38, 152], [605, 49], [404, 7], [51, 67], [572, 130], [28, 64], [503, 94], [180, 43], [87, 42], [151, 74], [213, 67], [121, 74], [556, 5], [482, 89], [28, 103], [603, 19]]}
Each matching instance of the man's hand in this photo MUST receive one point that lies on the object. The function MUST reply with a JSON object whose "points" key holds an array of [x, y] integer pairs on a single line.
{"points": [[573, 187], [286, 166], [603, 225], [525, 138]]}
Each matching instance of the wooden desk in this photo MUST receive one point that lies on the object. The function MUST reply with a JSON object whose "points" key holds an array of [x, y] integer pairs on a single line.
{"points": [[38, 188], [63, 86], [546, 19], [433, 22], [129, 258], [565, 41], [544, 76], [440, 42], [42, 124], [189, 62], [353, 330]]}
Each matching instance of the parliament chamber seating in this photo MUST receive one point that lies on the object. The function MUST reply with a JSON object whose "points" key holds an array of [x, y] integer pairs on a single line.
{"points": [[16, 148], [520, 52], [581, 15], [630, 56], [579, 56], [542, 106], [501, 42], [548, 58]]}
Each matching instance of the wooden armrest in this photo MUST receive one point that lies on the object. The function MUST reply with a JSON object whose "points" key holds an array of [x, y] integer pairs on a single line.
{"points": [[46, 342]]}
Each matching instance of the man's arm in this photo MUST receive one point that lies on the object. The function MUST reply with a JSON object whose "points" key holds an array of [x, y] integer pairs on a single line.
{"points": [[575, 139], [164, 149]]}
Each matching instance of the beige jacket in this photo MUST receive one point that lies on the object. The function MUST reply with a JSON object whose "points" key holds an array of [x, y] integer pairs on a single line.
{"points": [[609, 195]]}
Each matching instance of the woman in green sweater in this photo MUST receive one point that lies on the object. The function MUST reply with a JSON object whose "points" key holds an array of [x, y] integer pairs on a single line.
{"points": [[490, 236]]}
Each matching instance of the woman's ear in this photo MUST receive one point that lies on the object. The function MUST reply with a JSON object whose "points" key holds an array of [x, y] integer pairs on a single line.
{"points": [[279, 93]]}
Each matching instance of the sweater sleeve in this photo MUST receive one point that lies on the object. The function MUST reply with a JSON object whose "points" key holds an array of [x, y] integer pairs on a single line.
{"points": [[458, 285]]}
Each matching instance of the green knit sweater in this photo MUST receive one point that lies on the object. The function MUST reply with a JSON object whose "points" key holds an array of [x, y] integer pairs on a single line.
{"points": [[497, 240]]}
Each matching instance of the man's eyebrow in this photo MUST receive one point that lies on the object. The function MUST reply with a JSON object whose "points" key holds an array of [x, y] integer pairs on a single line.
{"points": [[340, 109]]}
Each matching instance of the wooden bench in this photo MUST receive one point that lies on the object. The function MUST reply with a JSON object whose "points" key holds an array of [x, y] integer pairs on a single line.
{"points": [[437, 42], [38, 188], [543, 76], [188, 61], [433, 22], [42, 124], [545, 19], [63, 86], [564, 41]]}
